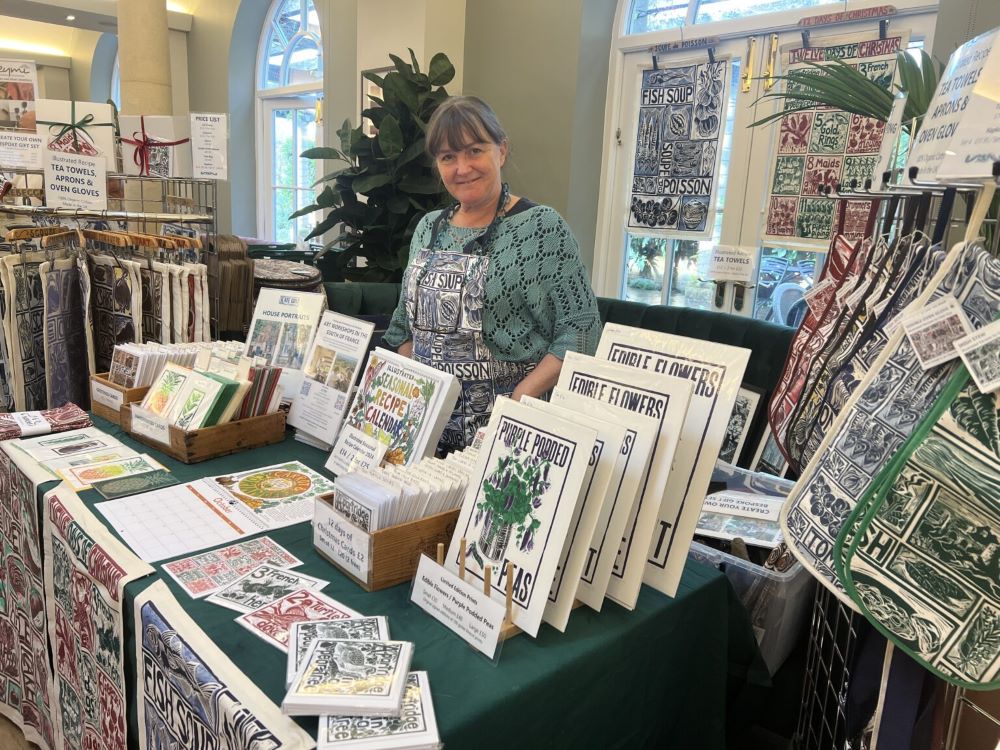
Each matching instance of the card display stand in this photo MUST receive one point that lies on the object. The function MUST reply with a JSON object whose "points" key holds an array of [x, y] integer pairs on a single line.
{"points": [[193, 446], [100, 403], [509, 629], [393, 553]]}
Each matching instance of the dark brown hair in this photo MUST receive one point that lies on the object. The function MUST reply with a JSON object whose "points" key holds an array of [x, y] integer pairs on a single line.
{"points": [[461, 120]]}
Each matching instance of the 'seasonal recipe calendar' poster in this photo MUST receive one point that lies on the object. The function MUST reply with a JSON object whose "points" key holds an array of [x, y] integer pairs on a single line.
{"points": [[823, 146], [682, 113]]}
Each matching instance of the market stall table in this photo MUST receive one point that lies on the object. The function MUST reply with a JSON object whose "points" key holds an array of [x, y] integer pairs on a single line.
{"points": [[665, 672]]}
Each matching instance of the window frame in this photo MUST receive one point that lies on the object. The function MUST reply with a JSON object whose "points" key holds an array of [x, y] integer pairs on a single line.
{"points": [[608, 256], [266, 99]]}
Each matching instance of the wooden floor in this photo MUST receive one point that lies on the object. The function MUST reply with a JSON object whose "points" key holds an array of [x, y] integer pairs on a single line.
{"points": [[11, 737]]}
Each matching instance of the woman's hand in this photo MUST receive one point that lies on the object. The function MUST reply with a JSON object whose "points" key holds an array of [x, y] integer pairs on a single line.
{"points": [[406, 349], [540, 380]]}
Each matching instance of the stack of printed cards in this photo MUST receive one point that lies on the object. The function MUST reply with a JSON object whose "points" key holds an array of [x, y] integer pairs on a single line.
{"points": [[302, 635], [261, 586], [397, 416], [352, 677], [272, 621], [414, 729], [138, 365], [390, 495], [207, 572]]}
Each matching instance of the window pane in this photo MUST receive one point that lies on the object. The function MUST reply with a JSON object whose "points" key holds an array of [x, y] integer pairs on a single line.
{"points": [[304, 224], [284, 206], [288, 19], [724, 10], [644, 270], [654, 15], [783, 277], [306, 119], [305, 62], [284, 154], [271, 73], [685, 288]]}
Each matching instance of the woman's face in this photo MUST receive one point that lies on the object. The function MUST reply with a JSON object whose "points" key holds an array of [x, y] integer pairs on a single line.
{"points": [[472, 173]]}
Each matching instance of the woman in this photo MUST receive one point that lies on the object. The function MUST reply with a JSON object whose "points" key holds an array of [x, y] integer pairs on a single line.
{"points": [[495, 291]]}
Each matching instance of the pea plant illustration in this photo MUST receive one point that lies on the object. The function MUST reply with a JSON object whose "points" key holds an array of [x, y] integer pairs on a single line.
{"points": [[511, 495]]}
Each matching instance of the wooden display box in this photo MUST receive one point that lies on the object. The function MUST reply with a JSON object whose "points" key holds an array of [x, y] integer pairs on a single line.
{"points": [[104, 395], [211, 442], [392, 553]]}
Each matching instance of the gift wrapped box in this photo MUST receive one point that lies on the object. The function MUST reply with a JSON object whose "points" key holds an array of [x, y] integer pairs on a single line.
{"points": [[77, 128], [156, 146]]}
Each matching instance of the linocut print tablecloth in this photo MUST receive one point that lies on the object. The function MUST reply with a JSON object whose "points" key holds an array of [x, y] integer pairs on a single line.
{"points": [[923, 564], [25, 674], [822, 146], [86, 570], [188, 690], [895, 394]]}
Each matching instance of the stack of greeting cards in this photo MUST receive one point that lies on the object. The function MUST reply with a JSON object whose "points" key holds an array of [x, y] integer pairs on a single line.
{"points": [[331, 368], [283, 325], [397, 416], [374, 499]]}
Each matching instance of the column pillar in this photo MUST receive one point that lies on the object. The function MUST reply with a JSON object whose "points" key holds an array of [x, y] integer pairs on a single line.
{"points": [[144, 57]]}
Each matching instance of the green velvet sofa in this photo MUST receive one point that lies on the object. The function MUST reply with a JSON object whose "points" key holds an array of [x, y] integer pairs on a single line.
{"points": [[768, 342]]}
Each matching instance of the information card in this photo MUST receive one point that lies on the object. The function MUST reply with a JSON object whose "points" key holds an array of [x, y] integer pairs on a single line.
{"points": [[20, 150], [209, 145], [76, 181]]}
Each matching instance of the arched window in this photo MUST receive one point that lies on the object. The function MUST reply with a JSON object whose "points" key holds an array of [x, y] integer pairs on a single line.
{"points": [[116, 83], [289, 85]]}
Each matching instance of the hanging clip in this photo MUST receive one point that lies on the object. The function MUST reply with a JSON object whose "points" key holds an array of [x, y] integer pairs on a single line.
{"points": [[656, 63], [883, 28], [805, 38], [711, 55]]}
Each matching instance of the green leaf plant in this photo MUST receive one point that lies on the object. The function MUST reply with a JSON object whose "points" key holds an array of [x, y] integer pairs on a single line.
{"points": [[385, 183], [841, 86]]}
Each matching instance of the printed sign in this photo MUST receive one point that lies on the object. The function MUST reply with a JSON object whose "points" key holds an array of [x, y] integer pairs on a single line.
{"points": [[209, 145], [890, 152], [75, 181], [727, 263], [820, 147], [20, 150], [682, 112]]}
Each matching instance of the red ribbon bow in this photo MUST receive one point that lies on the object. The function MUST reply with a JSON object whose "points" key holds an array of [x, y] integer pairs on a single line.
{"points": [[142, 143]]}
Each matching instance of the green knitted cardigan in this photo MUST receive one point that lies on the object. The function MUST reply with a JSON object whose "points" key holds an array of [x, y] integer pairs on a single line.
{"points": [[538, 298]]}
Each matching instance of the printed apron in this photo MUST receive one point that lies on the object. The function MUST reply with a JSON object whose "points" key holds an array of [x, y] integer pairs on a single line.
{"points": [[444, 302]]}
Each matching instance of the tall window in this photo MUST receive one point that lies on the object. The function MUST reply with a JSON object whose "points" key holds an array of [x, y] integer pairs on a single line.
{"points": [[659, 266], [116, 83], [289, 85]]}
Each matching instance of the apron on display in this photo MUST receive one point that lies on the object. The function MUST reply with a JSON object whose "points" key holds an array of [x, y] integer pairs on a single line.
{"points": [[445, 295]]}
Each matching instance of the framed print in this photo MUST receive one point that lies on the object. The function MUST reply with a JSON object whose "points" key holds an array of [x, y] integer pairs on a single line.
{"points": [[768, 457], [368, 90], [741, 423]]}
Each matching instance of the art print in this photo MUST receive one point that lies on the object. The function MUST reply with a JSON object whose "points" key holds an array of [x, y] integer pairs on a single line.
{"points": [[263, 585], [18, 89], [519, 505], [351, 668], [830, 141], [415, 726], [681, 118], [86, 572], [303, 634], [272, 621], [205, 573], [768, 458], [264, 489], [186, 687], [714, 372], [741, 422], [980, 352]]}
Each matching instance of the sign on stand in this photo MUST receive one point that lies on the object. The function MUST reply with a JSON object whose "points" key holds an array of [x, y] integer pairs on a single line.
{"points": [[210, 145], [76, 181]]}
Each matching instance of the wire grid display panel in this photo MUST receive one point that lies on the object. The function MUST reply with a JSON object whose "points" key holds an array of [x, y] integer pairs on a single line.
{"points": [[833, 637], [970, 725]]}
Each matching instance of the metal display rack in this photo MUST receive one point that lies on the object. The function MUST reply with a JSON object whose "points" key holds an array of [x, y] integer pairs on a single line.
{"points": [[136, 204]]}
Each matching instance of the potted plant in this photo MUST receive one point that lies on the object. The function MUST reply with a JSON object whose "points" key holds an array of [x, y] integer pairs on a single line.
{"points": [[836, 84], [387, 182], [511, 495]]}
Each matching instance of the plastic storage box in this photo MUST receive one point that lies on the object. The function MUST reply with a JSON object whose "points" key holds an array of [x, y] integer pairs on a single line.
{"points": [[778, 603]]}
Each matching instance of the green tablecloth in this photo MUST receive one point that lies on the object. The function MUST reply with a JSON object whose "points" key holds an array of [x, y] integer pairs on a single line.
{"points": [[666, 674]]}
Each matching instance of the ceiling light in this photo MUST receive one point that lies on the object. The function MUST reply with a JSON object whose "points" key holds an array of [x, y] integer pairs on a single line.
{"points": [[70, 18]]}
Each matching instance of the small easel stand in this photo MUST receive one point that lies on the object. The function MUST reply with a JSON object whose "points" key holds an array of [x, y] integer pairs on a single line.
{"points": [[509, 629]]}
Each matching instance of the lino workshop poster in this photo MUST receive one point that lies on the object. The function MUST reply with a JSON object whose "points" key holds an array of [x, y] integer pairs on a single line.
{"points": [[823, 146], [682, 114]]}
